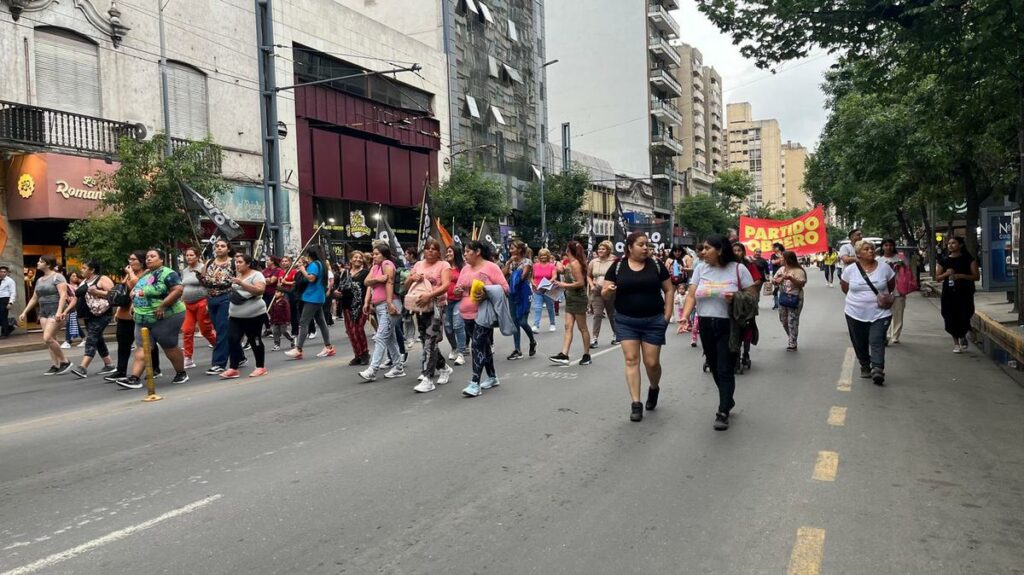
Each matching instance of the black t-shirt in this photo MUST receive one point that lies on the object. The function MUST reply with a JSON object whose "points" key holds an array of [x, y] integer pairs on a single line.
{"points": [[638, 294], [959, 265]]}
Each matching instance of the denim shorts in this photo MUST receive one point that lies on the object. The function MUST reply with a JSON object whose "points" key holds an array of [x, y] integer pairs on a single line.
{"points": [[646, 329]]}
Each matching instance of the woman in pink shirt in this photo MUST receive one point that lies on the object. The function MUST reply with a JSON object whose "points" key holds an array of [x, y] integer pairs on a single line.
{"points": [[438, 275], [380, 300], [543, 269], [479, 267]]}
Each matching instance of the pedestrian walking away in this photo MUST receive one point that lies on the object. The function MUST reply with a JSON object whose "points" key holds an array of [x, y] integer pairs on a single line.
{"points": [[71, 327], [246, 313], [572, 280], [828, 265], [425, 298], [350, 291], [217, 280], [479, 272], [50, 300], [543, 274], [791, 279], [519, 274], [597, 271], [196, 312], [717, 288], [905, 283], [95, 310], [454, 325], [774, 265], [157, 305], [311, 282], [868, 286], [273, 275], [641, 290], [381, 300], [958, 272]]}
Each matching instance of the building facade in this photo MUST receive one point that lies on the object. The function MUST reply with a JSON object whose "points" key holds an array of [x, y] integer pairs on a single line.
{"points": [[755, 146], [794, 163], [701, 132], [599, 203], [616, 85]]}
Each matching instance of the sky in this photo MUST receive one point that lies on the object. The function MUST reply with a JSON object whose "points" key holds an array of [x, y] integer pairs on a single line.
{"points": [[792, 96]]}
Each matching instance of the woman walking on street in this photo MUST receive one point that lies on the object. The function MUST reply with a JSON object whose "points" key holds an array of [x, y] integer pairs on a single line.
{"points": [[573, 280], [790, 279], [905, 284], [272, 274], [94, 309], [380, 299], [125, 333], [828, 265], [713, 287], [543, 269], [216, 279], [519, 271], [868, 285], [50, 296], [196, 312], [750, 331], [958, 272], [597, 271], [71, 328], [642, 292], [454, 325], [350, 305], [312, 299], [426, 296], [247, 314], [479, 268]]}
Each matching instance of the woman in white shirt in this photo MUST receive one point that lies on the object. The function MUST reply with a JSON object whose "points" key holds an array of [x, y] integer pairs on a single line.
{"points": [[868, 312]]}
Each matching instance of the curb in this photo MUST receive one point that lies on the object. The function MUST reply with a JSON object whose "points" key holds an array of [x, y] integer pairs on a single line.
{"points": [[40, 346], [1008, 338]]}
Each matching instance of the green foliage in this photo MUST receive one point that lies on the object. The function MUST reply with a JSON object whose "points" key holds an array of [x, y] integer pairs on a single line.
{"points": [[564, 195], [732, 187], [770, 212], [469, 196], [703, 215], [145, 207]]}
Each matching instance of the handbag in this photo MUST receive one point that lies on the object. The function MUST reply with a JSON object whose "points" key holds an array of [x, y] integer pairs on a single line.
{"points": [[412, 297], [119, 296], [789, 300], [767, 288], [885, 300], [97, 305]]}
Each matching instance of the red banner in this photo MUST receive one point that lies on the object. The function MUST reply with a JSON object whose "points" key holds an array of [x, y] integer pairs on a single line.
{"points": [[804, 235]]}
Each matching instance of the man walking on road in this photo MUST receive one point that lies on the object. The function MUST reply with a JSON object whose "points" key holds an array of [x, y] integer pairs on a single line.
{"points": [[8, 294], [847, 252]]}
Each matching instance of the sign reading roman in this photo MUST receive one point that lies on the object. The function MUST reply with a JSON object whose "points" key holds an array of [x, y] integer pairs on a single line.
{"points": [[54, 186], [804, 235]]}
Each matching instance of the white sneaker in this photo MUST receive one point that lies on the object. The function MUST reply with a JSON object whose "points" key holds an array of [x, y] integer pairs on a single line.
{"points": [[311, 336], [65, 345], [425, 386], [394, 372], [81, 344], [420, 377], [552, 328], [445, 375], [189, 364], [459, 360], [451, 355], [536, 329], [957, 348], [369, 374]]}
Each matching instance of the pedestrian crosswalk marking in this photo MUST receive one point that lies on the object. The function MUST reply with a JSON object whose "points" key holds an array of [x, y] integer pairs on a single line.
{"points": [[826, 467], [807, 552], [837, 416], [846, 375]]}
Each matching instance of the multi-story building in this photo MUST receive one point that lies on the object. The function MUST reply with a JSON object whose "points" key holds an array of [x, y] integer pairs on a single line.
{"points": [[495, 81], [599, 204], [701, 130], [755, 146], [794, 160], [616, 85], [714, 122]]}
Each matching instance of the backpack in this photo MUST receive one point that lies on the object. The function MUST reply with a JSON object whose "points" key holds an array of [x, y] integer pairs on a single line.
{"points": [[401, 274]]}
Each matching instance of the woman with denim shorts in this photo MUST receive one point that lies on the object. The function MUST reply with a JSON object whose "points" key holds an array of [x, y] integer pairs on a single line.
{"points": [[642, 289]]}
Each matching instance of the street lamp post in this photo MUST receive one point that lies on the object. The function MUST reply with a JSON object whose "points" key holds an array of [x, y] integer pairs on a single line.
{"points": [[541, 152]]}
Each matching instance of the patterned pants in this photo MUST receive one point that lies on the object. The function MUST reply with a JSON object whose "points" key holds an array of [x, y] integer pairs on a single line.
{"points": [[431, 332], [356, 330], [71, 327], [790, 318], [483, 355]]}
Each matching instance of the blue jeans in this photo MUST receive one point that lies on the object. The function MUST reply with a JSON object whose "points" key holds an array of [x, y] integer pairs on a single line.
{"points": [[218, 308], [523, 324], [541, 301], [384, 340], [455, 327]]}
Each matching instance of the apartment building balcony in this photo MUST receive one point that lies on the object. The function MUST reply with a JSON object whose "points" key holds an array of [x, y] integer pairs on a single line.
{"points": [[663, 80], [662, 20], [667, 172], [666, 111], [698, 69], [667, 4], [698, 96], [664, 144], [663, 51]]}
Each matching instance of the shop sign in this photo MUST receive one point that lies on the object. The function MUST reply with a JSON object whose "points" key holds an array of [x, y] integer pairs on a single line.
{"points": [[357, 227], [88, 192], [55, 186]]}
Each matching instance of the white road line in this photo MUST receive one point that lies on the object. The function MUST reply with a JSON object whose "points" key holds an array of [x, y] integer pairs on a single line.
{"points": [[846, 372], [109, 538], [593, 355]]}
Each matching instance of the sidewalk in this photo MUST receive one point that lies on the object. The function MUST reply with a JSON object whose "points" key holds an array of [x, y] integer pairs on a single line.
{"points": [[995, 320]]}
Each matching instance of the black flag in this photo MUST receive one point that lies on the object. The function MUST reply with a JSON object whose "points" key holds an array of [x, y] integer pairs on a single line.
{"points": [[228, 228], [487, 236], [425, 220]]}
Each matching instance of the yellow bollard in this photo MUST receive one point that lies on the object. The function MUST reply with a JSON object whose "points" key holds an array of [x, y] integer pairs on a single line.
{"points": [[150, 382]]}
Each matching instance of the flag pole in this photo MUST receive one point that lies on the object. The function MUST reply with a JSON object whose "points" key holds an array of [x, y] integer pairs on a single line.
{"points": [[295, 261]]}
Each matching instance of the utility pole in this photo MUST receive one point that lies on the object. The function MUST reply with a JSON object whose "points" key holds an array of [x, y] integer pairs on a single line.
{"points": [[274, 200], [566, 148], [163, 79]]}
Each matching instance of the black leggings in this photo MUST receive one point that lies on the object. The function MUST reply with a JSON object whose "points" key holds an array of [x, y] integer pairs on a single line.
{"points": [[125, 339], [483, 357], [252, 329], [714, 336]]}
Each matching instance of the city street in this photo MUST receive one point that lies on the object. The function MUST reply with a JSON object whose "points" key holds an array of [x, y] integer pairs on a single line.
{"points": [[309, 470]]}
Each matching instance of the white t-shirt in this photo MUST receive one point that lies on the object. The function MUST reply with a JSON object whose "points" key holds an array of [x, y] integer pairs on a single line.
{"points": [[845, 250], [861, 302], [712, 283]]}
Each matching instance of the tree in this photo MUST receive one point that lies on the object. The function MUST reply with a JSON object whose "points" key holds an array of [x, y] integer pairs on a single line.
{"points": [[732, 187], [144, 207], [563, 201], [468, 196], [703, 215]]}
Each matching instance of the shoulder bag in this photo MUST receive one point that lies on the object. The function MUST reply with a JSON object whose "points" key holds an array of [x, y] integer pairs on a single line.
{"points": [[97, 305], [884, 299]]}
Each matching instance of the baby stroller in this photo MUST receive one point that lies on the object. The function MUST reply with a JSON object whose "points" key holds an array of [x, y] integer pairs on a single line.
{"points": [[750, 337]]}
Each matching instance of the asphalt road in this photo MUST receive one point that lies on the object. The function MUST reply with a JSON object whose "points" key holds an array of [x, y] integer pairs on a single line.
{"points": [[310, 471]]}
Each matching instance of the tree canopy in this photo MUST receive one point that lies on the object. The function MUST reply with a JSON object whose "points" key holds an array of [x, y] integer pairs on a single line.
{"points": [[468, 195], [564, 194]]}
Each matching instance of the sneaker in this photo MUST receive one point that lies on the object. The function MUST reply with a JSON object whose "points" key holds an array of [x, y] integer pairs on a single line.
{"points": [[395, 372], [356, 361], [364, 359], [489, 383], [230, 374], [405, 358], [81, 344], [387, 363], [533, 348], [276, 348], [460, 360], [425, 386], [247, 346], [293, 353], [553, 329], [958, 348], [515, 355], [963, 343], [243, 362], [189, 364], [865, 372], [444, 375], [52, 371], [536, 329], [327, 352], [636, 411], [877, 376], [259, 372], [130, 382], [64, 368], [311, 336], [79, 372], [652, 398], [209, 345], [560, 359], [369, 374], [112, 378], [585, 360], [157, 374], [180, 377], [107, 370], [472, 390], [593, 343], [65, 345], [615, 341], [215, 370], [721, 421]]}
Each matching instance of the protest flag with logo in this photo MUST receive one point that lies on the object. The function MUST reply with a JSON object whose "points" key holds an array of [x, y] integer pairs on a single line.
{"points": [[387, 235], [228, 228]]}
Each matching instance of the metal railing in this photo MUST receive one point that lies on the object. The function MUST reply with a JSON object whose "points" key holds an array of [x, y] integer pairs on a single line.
{"points": [[665, 77]]}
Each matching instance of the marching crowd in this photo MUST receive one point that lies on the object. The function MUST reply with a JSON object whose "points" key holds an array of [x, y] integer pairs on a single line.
{"points": [[462, 294]]}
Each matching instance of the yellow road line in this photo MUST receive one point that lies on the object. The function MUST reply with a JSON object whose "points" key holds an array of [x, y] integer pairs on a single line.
{"points": [[807, 552], [837, 416], [826, 467], [846, 375]]}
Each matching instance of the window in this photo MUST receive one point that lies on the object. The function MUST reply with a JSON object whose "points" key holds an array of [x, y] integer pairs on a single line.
{"points": [[492, 67], [474, 110], [485, 13], [187, 102], [67, 72], [311, 66], [513, 74], [497, 115], [469, 6], [513, 33]]}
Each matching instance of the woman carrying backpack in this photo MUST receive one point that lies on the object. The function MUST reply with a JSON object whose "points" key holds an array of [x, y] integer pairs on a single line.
{"points": [[95, 309]]}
